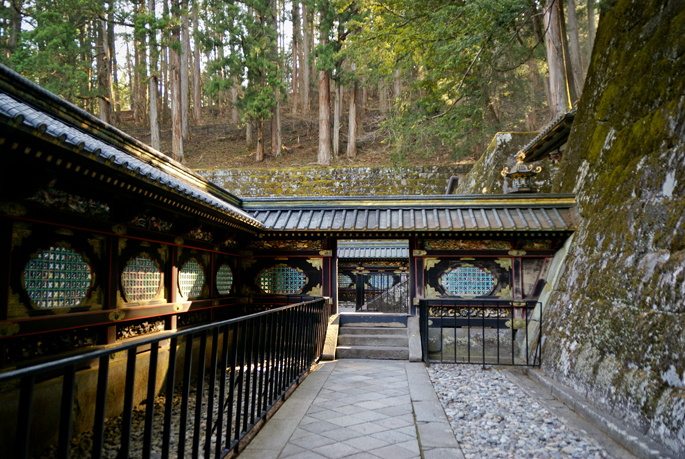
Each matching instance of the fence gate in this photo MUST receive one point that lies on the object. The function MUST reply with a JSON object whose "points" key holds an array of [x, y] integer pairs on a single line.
{"points": [[382, 292]]}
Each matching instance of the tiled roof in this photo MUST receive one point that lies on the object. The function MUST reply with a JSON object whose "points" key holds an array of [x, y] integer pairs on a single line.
{"points": [[373, 249], [552, 137], [422, 213]]}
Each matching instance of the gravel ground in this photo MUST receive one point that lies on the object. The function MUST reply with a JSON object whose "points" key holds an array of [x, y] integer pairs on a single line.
{"points": [[493, 418]]}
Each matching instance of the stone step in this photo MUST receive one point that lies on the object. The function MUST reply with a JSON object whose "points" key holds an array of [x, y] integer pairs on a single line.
{"points": [[372, 352], [373, 340], [391, 331]]}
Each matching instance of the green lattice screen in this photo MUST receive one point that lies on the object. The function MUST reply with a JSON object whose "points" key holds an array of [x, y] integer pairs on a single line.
{"points": [[344, 280], [191, 278], [57, 278], [141, 279], [282, 280], [224, 280], [468, 281]]}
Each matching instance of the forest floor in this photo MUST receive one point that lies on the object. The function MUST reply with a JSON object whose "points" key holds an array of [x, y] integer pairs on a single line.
{"points": [[219, 144]]}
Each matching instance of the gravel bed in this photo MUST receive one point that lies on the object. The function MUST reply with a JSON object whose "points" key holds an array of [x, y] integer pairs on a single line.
{"points": [[493, 418]]}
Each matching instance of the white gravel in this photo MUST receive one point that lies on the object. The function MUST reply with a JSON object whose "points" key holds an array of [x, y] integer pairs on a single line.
{"points": [[493, 418]]}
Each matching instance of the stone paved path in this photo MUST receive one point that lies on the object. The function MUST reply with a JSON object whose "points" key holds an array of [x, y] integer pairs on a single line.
{"points": [[359, 409]]}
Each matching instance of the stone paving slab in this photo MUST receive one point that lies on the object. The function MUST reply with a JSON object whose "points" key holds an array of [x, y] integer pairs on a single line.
{"points": [[359, 409]]}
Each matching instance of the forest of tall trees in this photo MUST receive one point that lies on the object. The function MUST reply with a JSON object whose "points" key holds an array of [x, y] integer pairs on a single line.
{"points": [[430, 73]]}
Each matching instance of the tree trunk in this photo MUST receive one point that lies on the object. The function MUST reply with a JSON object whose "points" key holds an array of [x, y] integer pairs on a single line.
{"points": [[104, 74], [197, 89], [382, 97], [531, 117], [260, 140], [555, 59], [249, 141], [336, 119], [176, 99], [568, 65], [574, 47], [15, 27], [305, 66], [185, 53], [324, 157], [590, 27], [296, 35], [234, 101], [359, 95], [165, 70], [114, 70], [153, 83], [398, 84], [352, 132]]}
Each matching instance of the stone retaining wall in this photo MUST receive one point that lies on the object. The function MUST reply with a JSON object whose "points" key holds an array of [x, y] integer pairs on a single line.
{"points": [[336, 181]]}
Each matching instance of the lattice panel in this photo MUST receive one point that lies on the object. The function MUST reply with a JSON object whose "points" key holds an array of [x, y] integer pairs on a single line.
{"points": [[141, 279], [57, 278], [344, 280], [381, 281], [468, 281], [282, 280], [191, 278], [224, 280]]}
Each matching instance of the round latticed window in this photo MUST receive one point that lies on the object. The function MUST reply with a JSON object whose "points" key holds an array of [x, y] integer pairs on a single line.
{"points": [[57, 278], [224, 280], [468, 281], [381, 281], [344, 280], [282, 279], [191, 279], [141, 279]]}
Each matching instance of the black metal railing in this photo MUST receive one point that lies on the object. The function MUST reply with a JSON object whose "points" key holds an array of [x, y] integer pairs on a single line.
{"points": [[392, 300], [493, 332], [243, 367]]}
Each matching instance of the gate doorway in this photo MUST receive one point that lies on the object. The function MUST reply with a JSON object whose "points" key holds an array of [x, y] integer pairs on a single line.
{"points": [[373, 276]]}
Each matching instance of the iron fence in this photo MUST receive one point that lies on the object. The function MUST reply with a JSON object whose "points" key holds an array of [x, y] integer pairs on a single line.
{"points": [[493, 332], [253, 360]]}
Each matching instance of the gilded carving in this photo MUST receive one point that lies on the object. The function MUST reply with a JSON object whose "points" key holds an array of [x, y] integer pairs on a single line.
{"points": [[178, 241], [517, 253], [519, 324], [317, 263], [96, 243], [505, 263], [163, 253], [247, 262], [19, 232], [9, 329], [12, 208], [287, 244], [431, 292], [116, 315], [281, 258], [326, 253], [122, 245], [206, 258], [14, 306], [505, 293], [315, 291], [536, 244], [64, 232], [466, 244], [119, 229], [418, 253], [429, 263], [145, 244]]}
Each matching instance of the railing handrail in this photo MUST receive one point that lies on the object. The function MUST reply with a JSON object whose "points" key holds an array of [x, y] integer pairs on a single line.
{"points": [[450, 302], [75, 360]]}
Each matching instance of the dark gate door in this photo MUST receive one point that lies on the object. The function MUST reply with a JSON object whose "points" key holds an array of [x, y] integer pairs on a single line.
{"points": [[382, 292]]}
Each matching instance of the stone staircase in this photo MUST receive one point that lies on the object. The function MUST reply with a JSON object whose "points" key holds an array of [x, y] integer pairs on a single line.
{"points": [[379, 336]]}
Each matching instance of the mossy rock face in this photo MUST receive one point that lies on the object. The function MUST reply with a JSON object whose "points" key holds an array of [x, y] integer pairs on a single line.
{"points": [[615, 325], [336, 181]]}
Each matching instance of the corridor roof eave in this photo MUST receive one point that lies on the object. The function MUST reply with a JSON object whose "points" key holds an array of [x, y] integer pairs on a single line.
{"points": [[28, 108], [379, 216]]}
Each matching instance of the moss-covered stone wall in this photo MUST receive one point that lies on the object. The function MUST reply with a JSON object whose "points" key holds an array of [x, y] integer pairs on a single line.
{"points": [[615, 322], [336, 181]]}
